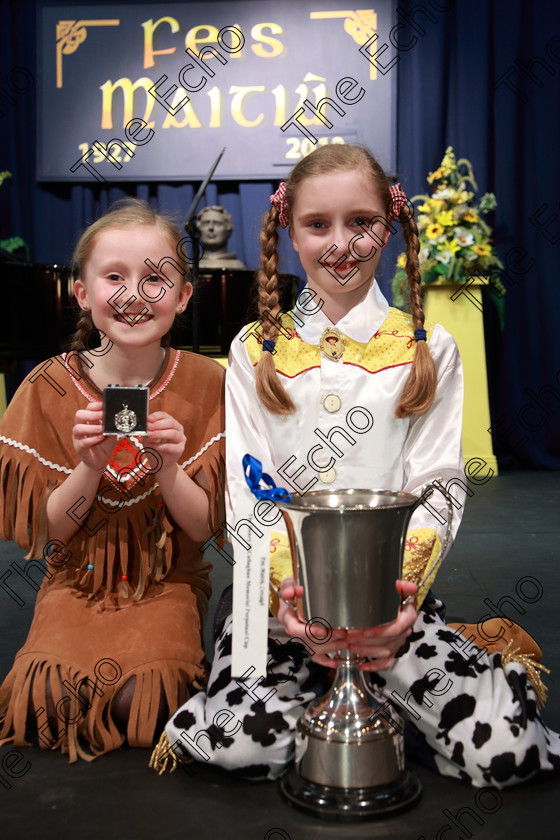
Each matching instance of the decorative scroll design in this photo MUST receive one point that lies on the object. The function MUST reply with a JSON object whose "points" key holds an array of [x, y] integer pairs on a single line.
{"points": [[69, 35], [361, 25]]}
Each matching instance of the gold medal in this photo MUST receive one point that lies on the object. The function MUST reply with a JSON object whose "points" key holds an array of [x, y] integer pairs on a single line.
{"points": [[332, 344], [125, 420]]}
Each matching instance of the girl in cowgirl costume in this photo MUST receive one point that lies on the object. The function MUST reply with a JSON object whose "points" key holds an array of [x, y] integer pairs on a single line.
{"points": [[300, 390]]}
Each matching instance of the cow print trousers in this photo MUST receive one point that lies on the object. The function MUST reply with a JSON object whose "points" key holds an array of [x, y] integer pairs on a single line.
{"points": [[466, 716]]}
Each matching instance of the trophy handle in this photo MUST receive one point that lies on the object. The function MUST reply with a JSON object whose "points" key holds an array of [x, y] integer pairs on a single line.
{"points": [[436, 562]]}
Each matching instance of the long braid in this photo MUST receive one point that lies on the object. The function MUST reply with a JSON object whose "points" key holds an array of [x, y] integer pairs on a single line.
{"points": [[84, 324], [420, 388], [269, 388], [84, 327]]}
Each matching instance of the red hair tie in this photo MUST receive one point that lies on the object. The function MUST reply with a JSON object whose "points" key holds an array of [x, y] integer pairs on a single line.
{"points": [[279, 201], [398, 200]]}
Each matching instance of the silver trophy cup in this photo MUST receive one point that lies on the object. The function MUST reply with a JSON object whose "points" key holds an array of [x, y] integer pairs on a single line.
{"points": [[347, 548]]}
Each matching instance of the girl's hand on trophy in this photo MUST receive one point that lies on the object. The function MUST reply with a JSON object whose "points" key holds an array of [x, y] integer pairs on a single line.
{"points": [[317, 634], [381, 644]]}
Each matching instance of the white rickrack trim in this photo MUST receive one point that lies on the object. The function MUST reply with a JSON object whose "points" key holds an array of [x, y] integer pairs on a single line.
{"points": [[200, 451], [91, 398], [34, 452], [169, 376], [120, 504], [110, 502]]}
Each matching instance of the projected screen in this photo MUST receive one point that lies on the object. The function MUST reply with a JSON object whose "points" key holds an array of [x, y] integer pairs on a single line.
{"points": [[154, 91]]}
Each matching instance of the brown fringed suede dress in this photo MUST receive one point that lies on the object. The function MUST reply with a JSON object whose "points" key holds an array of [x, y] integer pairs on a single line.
{"points": [[128, 595]]}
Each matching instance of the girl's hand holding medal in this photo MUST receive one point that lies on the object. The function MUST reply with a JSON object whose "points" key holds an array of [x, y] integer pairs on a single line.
{"points": [[92, 447], [166, 435]]}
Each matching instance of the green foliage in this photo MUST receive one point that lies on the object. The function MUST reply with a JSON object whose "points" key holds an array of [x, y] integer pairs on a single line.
{"points": [[14, 242]]}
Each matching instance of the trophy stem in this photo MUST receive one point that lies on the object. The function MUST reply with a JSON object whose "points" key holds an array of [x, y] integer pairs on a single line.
{"points": [[350, 752]]}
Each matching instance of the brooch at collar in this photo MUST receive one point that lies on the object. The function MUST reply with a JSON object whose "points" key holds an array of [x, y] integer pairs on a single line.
{"points": [[332, 344]]}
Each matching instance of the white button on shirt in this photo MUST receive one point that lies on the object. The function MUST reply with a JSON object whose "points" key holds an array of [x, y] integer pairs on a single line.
{"points": [[332, 402], [327, 476]]}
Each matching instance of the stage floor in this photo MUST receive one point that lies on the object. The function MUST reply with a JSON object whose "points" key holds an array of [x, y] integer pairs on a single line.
{"points": [[511, 528]]}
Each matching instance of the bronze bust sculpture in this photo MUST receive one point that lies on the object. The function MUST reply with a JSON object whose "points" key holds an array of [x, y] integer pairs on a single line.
{"points": [[215, 226]]}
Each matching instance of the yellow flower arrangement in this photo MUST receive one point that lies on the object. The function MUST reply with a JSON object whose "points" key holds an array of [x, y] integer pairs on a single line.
{"points": [[434, 231], [434, 176], [455, 243], [452, 246], [446, 218]]}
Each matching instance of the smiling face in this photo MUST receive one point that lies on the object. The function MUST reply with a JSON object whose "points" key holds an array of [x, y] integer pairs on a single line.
{"points": [[336, 209], [116, 262]]}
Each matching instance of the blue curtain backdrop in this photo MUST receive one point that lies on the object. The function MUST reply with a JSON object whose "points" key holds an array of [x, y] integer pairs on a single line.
{"points": [[482, 76]]}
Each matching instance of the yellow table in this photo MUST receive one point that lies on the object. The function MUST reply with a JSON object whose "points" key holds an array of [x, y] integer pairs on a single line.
{"points": [[2, 394]]}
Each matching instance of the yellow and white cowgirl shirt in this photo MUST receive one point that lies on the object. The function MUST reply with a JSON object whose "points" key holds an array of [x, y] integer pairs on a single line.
{"points": [[345, 380]]}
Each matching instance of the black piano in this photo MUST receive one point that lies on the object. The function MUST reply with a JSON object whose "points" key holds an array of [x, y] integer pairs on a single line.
{"points": [[38, 313]]}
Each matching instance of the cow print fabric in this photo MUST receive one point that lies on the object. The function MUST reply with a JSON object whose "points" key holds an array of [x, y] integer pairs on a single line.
{"points": [[466, 716]]}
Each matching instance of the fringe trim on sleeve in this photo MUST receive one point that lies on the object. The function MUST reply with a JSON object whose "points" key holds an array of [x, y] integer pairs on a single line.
{"points": [[214, 466], [421, 545], [84, 726], [23, 495], [511, 654], [163, 759]]}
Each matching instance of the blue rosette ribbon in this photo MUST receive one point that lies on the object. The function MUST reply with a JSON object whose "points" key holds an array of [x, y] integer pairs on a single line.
{"points": [[252, 470]]}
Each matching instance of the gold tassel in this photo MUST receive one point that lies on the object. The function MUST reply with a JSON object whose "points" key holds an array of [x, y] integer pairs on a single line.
{"points": [[164, 755], [511, 654]]}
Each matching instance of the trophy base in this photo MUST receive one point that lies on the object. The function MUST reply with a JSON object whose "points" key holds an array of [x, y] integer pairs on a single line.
{"points": [[350, 804]]}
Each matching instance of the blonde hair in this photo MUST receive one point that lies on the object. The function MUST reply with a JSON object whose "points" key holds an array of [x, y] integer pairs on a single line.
{"points": [[127, 212], [420, 388]]}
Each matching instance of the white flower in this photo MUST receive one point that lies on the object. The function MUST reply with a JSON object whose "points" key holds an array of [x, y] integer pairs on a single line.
{"points": [[444, 257], [424, 254], [464, 239], [446, 193]]}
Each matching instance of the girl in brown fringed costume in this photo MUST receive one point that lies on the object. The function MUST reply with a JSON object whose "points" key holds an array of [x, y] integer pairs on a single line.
{"points": [[115, 642]]}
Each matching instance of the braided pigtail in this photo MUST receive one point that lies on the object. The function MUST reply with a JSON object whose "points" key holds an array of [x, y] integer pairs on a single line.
{"points": [[84, 328], [269, 388], [420, 388], [81, 338]]}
